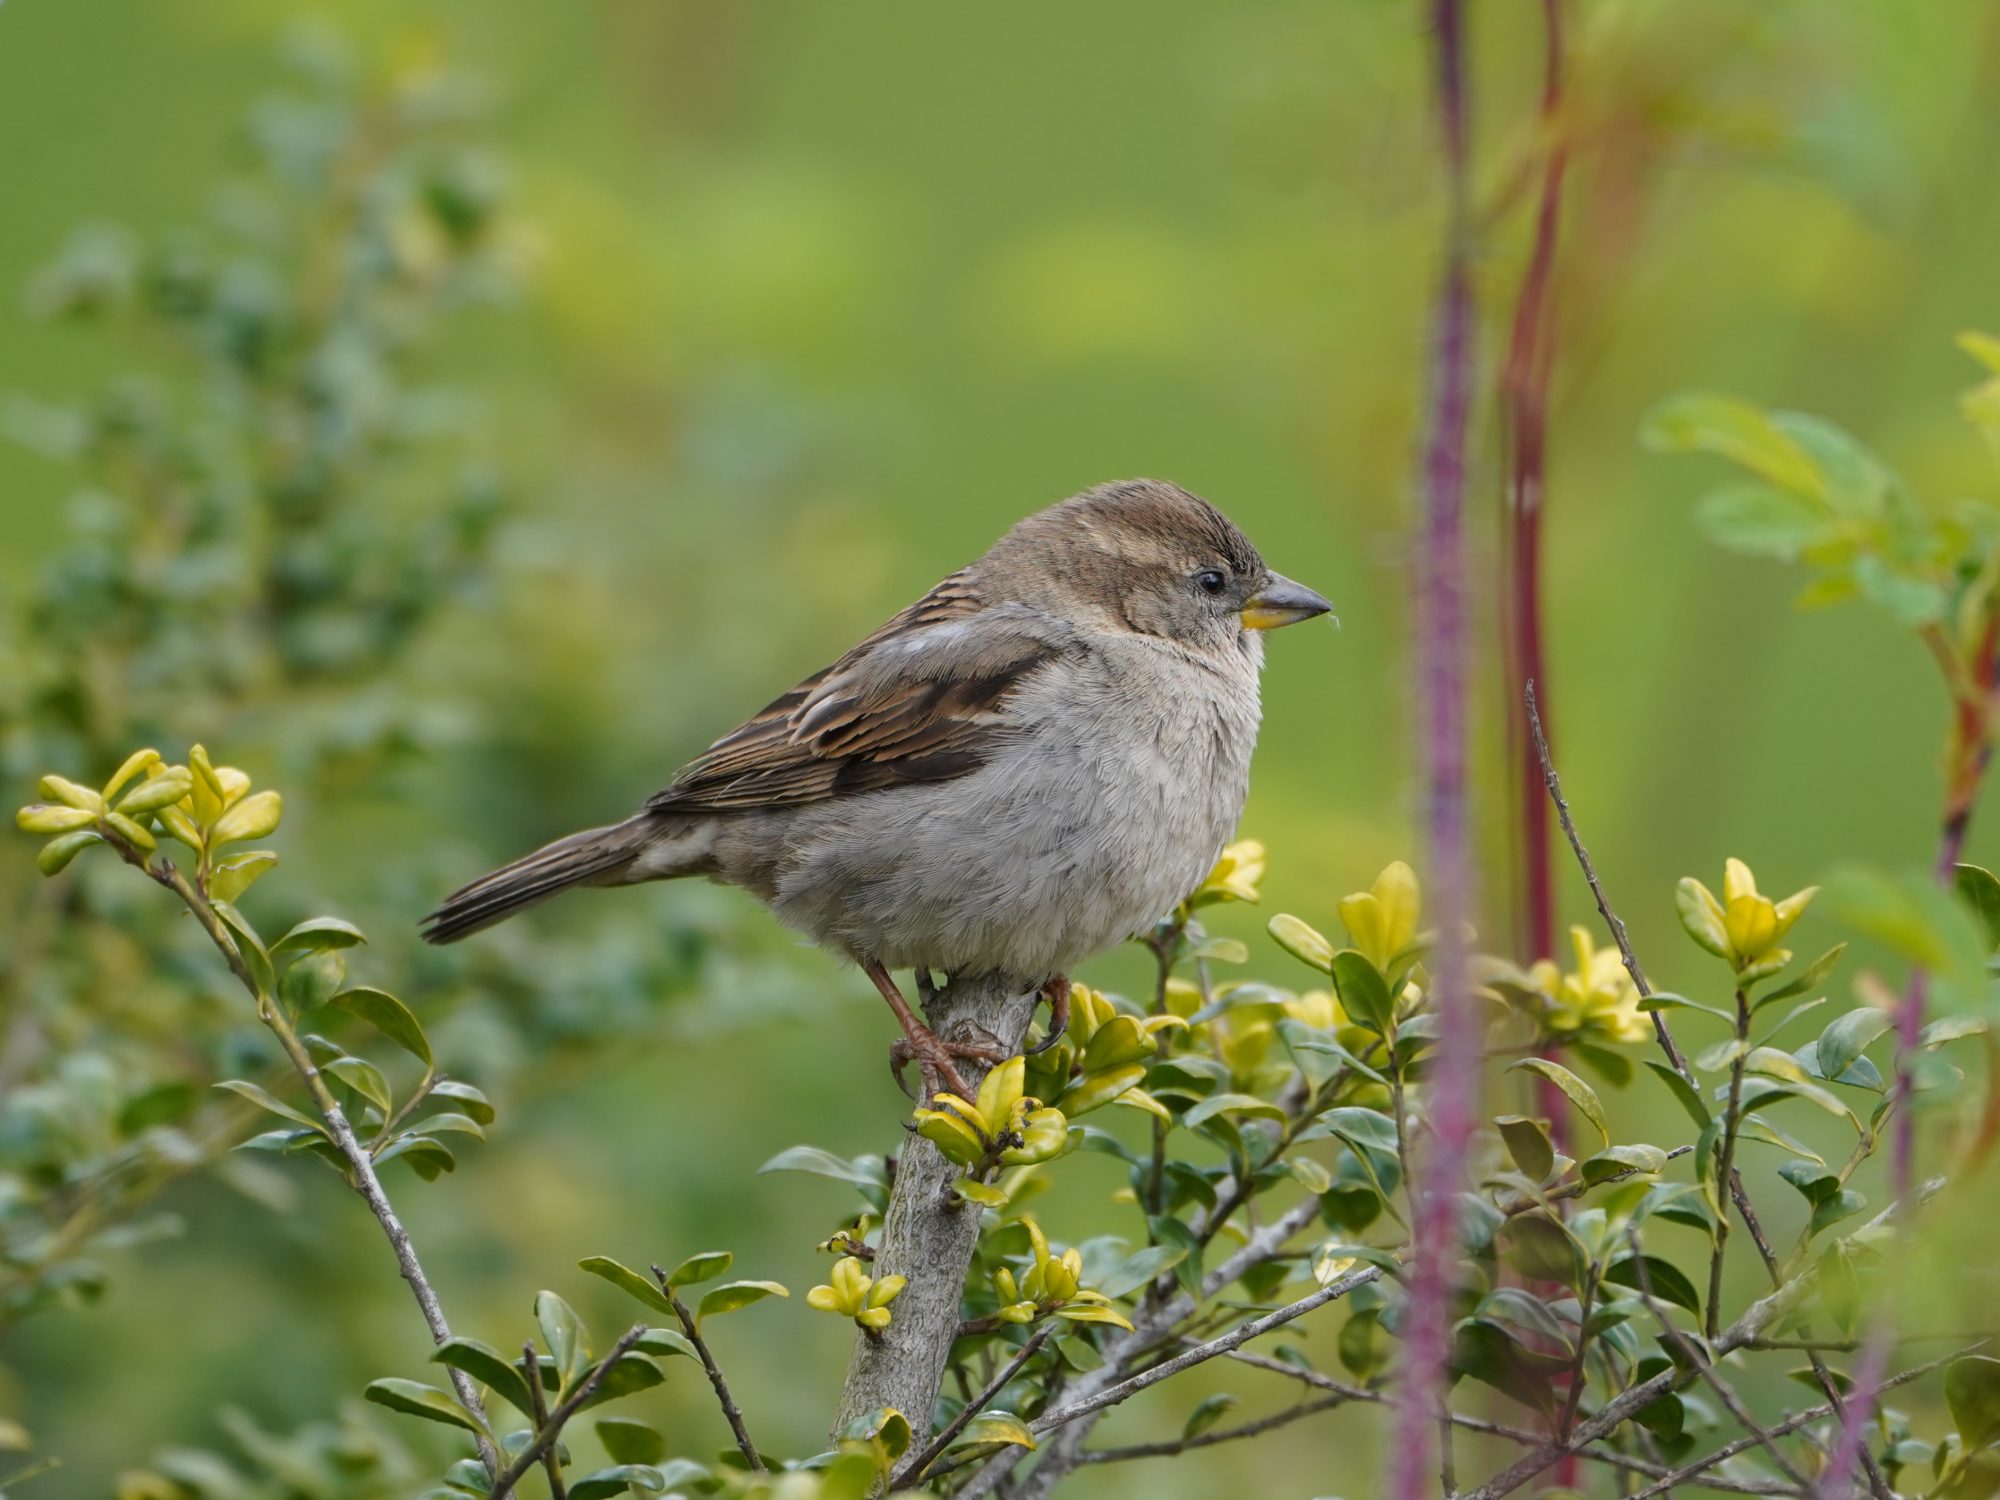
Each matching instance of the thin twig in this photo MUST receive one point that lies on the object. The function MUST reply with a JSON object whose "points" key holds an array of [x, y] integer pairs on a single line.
{"points": [[531, 1365], [730, 1411], [1209, 1439], [547, 1432], [360, 1165], [1738, 1194], [1166, 1369], [1341, 1390], [912, 1473], [1692, 1356], [1691, 1473]]}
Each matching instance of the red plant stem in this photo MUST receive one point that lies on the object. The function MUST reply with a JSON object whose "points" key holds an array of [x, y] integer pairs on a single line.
{"points": [[1524, 399], [1524, 392], [1970, 754], [1452, 1087]]}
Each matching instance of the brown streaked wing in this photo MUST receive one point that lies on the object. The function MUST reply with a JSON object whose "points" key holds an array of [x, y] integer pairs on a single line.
{"points": [[861, 725]]}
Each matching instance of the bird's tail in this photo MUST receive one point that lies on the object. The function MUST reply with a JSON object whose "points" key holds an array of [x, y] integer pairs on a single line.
{"points": [[597, 856]]}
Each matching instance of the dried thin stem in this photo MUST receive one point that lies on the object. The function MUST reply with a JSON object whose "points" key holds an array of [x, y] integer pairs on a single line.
{"points": [[546, 1432], [731, 1412], [360, 1165], [912, 1473], [1878, 1485], [1692, 1356], [1261, 1425], [551, 1465]]}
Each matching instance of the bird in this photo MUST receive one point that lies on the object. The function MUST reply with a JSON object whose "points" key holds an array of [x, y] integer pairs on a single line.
{"points": [[1034, 762]]}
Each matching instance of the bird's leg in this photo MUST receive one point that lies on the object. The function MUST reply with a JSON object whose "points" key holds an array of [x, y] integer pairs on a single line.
{"points": [[1056, 991], [931, 1052]]}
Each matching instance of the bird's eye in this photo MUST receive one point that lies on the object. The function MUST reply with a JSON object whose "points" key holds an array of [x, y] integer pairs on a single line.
{"points": [[1211, 580]]}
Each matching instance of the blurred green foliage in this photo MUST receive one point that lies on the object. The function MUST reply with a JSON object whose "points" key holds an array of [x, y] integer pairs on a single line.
{"points": [[819, 301]]}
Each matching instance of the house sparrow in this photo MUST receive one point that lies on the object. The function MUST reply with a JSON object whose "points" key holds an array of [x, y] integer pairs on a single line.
{"points": [[1033, 762]]}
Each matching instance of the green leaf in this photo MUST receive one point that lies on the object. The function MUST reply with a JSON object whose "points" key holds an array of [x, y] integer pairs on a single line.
{"points": [[415, 1399], [629, 1442], [311, 982], [662, 1343], [1207, 1414], [627, 1281], [1543, 1250], [1665, 1280], [1232, 1104], [1303, 941], [1848, 1037], [862, 1171], [1528, 1143], [1622, 1161], [364, 1078], [620, 1479], [1950, 1029], [628, 1373], [1760, 521], [1979, 889], [699, 1268], [249, 947], [468, 1098], [56, 854], [995, 1429], [1922, 923], [1802, 981], [1364, 994], [562, 1336], [1580, 1093], [243, 1088], [233, 876], [734, 1294], [387, 1015], [1139, 1268], [1667, 1000], [315, 935], [427, 1157], [1683, 1091], [1522, 1309], [1359, 1126], [1972, 1391], [485, 1365], [1736, 430]]}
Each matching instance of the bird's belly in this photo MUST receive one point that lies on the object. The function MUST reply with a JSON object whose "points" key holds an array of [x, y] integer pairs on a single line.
{"points": [[1048, 854]]}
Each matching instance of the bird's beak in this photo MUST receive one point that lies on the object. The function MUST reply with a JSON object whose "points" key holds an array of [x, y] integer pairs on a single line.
{"points": [[1282, 602]]}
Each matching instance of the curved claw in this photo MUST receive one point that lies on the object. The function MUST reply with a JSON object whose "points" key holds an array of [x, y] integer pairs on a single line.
{"points": [[1056, 992]]}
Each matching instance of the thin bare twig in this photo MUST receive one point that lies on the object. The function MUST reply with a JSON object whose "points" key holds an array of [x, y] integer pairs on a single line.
{"points": [[547, 1432], [1691, 1355], [1738, 1194], [531, 1366], [1341, 1390], [912, 1473], [1692, 1473], [730, 1411], [360, 1165], [1209, 1439]]}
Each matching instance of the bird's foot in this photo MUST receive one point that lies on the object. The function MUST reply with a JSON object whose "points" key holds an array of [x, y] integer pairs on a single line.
{"points": [[937, 1059], [1056, 991]]}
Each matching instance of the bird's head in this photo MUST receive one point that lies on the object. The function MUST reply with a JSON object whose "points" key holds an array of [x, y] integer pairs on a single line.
{"points": [[1146, 556]]}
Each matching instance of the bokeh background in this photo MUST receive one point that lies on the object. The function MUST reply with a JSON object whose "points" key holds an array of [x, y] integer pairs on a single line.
{"points": [[796, 308]]}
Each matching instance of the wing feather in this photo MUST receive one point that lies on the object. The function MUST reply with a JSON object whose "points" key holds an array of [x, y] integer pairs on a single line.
{"points": [[921, 700]]}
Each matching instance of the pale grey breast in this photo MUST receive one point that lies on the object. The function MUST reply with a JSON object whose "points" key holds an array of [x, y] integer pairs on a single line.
{"points": [[1082, 830]]}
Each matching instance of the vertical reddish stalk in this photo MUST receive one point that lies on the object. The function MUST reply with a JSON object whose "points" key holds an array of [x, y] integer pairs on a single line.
{"points": [[1453, 1083], [1524, 398], [1524, 392]]}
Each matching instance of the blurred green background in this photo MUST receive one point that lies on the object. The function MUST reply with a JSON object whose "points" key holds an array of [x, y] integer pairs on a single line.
{"points": [[812, 302]]}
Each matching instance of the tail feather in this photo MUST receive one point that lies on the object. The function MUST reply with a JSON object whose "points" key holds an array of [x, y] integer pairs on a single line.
{"points": [[595, 856]]}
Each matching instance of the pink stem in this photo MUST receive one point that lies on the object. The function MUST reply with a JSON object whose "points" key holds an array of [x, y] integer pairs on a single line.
{"points": [[1453, 1084]]}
